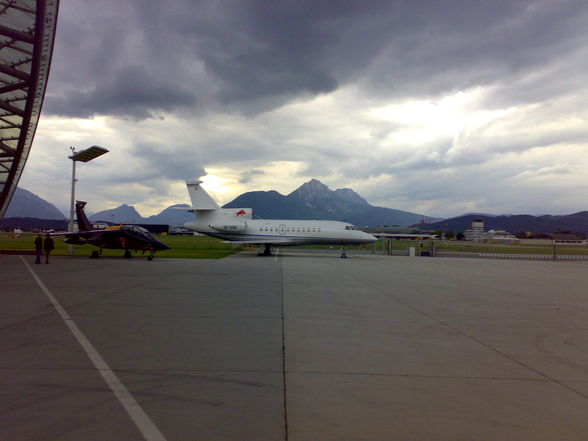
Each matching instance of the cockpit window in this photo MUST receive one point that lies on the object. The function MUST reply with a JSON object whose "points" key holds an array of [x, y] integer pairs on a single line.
{"points": [[137, 230]]}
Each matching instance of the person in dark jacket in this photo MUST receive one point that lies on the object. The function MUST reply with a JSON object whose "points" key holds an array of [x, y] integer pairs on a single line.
{"points": [[48, 246], [39, 247]]}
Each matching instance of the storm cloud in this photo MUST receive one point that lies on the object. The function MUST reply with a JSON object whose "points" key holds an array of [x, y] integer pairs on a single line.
{"points": [[435, 107]]}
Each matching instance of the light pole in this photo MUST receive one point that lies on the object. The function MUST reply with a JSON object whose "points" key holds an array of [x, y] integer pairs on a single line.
{"points": [[81, 156]]}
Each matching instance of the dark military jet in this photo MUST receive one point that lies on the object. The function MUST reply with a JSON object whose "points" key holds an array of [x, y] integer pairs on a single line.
{"points": [[123, 237]]}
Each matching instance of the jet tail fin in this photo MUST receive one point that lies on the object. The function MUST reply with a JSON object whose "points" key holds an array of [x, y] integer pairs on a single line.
{"points": [[83, 222], [200, 199]]}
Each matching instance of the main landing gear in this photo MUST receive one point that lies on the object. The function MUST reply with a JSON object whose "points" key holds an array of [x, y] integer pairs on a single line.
{"points": [[343, 252], [127, 254], [266, 251]]}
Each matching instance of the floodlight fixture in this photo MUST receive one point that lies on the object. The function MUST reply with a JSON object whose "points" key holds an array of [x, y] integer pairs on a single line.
{"points": [[85, 155]]}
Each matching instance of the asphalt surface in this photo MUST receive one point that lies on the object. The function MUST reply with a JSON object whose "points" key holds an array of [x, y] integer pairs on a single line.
{"points": [[294, 347]]}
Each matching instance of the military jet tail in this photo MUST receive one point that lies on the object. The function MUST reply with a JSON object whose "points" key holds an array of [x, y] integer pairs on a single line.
{"points": [[83, 222]]}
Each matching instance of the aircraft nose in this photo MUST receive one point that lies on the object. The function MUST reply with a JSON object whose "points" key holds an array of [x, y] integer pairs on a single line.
{"points": [[370, 238], [160, 245]]}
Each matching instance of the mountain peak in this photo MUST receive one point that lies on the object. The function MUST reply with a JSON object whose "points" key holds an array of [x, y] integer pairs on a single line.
{"points": [[27, 204], [124, 213], [349, 195], [312, 188], [316, 197], [314, 200]]}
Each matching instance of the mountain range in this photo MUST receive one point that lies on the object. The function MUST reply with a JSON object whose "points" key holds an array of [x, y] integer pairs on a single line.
{"points": [[26, 204], [546, 224], [312, 200], [174, 215]]}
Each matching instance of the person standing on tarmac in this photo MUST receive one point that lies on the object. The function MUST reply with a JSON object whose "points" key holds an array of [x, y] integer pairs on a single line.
{"points": [[48, 245], [39, 247]]}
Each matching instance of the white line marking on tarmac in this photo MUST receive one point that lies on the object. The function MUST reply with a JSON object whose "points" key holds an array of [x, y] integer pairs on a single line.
{"points": [[149, 430]]}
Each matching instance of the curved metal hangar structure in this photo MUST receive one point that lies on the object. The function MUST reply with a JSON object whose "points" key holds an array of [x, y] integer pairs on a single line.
{"points": [[27, 32]]}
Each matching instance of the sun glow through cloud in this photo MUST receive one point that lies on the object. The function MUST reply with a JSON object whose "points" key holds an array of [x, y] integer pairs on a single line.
{"points": [[429, 126]]}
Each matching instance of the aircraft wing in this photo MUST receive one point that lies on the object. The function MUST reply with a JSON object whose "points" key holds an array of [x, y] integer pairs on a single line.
{"points": [[83, 237], [88, 234], [66, 235], [271, 241]]}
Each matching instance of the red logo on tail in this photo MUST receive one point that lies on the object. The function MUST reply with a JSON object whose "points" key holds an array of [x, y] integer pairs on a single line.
{"points": [[240, 213]]}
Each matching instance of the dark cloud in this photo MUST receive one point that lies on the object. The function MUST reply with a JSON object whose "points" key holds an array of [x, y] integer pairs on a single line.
{"points": [[452, 46], [222, 72], [163, 162], [129, 92], [141, 58]]}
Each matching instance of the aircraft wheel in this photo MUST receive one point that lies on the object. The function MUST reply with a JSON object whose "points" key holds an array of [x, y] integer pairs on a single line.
{"points": [[127, 254], [266, 251], [94, 255], [149, 257], [344, 256]]}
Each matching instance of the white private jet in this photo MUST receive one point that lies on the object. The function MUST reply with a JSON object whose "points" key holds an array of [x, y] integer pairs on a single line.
{"points": [[237, 225]]}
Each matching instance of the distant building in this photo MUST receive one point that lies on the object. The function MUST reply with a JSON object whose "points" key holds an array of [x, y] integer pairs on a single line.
{"points": [[397, 232], [476, 233], [568, 239], [500, 236], [155, 228], [181, 231]]}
